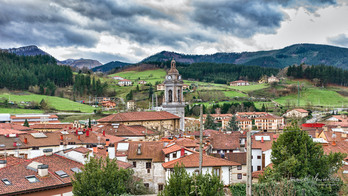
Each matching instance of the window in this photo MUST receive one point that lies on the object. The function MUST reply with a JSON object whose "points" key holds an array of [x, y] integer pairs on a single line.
{"points": [[148, 165], [32, 179], [170, 96], [6, 181], [76, 170], [216, 171], [134, 164], [251, 157], [174, 155], [239, 176], [146, 185], [197, 172], [258, 157], [160, 187], [258, 168], [239, 167], [61, 174], [218, 151]]}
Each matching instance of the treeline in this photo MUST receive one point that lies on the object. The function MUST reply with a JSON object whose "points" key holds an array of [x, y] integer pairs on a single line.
{"points": [[223, 73], [320, 74], [87, 85], [225, 108], [21, 72]]}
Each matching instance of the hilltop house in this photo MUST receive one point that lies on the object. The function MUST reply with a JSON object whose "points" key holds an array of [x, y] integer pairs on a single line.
{"points": [[296, 113], [125, 82], [239, 83]]}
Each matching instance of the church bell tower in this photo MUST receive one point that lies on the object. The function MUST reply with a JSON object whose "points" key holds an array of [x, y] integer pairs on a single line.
{"points": [[173, 94]]}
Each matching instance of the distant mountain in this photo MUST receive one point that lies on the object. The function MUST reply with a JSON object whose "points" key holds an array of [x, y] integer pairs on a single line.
{"points": [[311, 54], [80, 63], [109, 66], [27, 51]]}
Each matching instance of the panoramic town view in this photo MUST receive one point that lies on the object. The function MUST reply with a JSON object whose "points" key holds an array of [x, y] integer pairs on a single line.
{"points": [[167, 98]]}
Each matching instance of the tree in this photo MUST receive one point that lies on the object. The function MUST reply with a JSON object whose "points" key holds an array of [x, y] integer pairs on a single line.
{"points": [[129, 96], [43, 104], [209, 123], [26, 124], [295, 155], [181, 183], [89, 123], [103, 177], [263, 109], [233, 124]]}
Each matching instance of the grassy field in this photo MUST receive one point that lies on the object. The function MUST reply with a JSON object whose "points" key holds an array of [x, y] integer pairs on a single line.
{"points": [[19, 111], [58, 103], [232, 94], [316, 97], [151, 76], [250, 87]]}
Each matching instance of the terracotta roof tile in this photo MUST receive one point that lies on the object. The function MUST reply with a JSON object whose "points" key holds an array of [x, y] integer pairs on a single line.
{"points": [[16, 174], [14, 126], [185, 142], [149, 150], [192, 160], [223, 141], [124, 130], [138, 116], [51, 126], [239, 157], [171, 149]]}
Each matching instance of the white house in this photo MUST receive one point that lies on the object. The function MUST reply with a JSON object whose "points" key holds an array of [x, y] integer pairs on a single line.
{"points": [[296, 113], [125, 82]]}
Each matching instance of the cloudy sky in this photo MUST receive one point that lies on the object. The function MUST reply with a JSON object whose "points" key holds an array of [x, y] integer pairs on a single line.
{"points": [[109, 30]]}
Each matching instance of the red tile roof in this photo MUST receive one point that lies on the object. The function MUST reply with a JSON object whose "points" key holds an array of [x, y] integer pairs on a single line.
{"points": [[223, 141], [124, 130], [185, 142], [192, 160], [16, 175], [239, 157], [149, 151], [10, 131], [138, 116], [301, 110], [206, 133], [81, 150], [170, 149], [266, 144], [51, 126], [14, 126]]}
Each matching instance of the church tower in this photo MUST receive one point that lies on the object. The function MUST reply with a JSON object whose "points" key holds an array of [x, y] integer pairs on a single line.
{"points": [[173, 94]]}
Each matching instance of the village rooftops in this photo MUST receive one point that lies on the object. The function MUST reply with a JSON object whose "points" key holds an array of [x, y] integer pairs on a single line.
{"points": [[22, 178], [223, 141], [192, 161], [138, 116], [14, 126], [51, 126], [239, 157]]}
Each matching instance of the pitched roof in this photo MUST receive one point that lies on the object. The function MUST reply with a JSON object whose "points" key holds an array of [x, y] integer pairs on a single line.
{"points": [[16, 175], [206, 133], [266, 144], [124, 130], [239, 157], [149, 151], [14, 126], [185, 142], [10, 131], [51, 126], [192, 160], [138, 116], [81, 150], [170, 149], [223, 141], [301, 110]]}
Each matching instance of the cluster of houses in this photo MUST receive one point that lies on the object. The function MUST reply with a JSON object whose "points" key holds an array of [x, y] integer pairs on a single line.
{"points": [[43, 156]]}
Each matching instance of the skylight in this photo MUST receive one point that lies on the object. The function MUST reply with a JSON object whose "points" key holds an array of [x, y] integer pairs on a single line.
{"points": [[32, 179], [76, 170], [6, 181], [61, 174]]}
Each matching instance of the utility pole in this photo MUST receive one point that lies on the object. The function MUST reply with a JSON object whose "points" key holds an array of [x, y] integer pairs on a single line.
{"points": [[249, 180], [201, 140], [298, 93]]}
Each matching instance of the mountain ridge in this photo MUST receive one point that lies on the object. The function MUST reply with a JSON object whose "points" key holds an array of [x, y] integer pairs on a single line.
{"points": [[312, 54]]}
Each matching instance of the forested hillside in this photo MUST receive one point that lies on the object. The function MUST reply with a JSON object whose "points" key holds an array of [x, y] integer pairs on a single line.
{"points": [[20, 72], [312, 54], [110, 66], [321, 75]]}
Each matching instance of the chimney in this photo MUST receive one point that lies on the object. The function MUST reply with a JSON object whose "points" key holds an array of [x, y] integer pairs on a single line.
{"points": [[95, 148], [77, 132], [107, 142], [79, 137], [104, 133], [107, 153], [333, 143], [139, 149], [25, 140], [42, 170], [3, 163], [262, 140], [87, 133], [48, 152], [14, 144], [61, 137], [61, 146], [182, 152]]}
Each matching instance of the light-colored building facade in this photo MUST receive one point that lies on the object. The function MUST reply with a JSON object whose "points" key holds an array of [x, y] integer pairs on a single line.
{"points": [[296, 113], [239, 83], [125, 82]]}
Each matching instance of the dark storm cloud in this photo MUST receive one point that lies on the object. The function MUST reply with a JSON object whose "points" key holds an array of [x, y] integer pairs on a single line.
{"points": [[244, 18], [339, 40]]}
